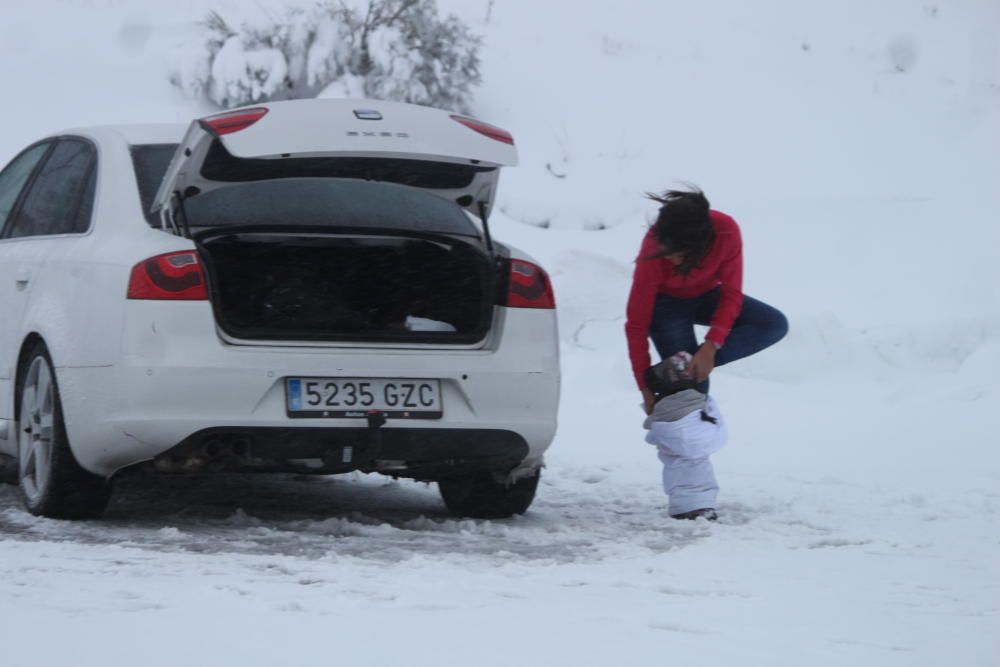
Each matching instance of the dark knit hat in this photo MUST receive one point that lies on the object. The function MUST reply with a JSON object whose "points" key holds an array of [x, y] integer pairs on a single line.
{"points": [[670, 376]]}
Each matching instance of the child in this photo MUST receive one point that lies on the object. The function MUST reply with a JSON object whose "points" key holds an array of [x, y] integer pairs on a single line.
{"points": [[686, 427]]}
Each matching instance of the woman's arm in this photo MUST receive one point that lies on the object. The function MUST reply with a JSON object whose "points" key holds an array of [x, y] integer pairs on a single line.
{"points": [[639, 311]]}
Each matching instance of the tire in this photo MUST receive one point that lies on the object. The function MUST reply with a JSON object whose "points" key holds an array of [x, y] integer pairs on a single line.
{"points": [[8, 469], [488, 496], [52, 482]]}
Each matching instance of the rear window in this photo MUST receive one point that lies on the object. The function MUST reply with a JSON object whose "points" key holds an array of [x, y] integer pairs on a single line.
{"points": [[325, 202], [150, 162]]}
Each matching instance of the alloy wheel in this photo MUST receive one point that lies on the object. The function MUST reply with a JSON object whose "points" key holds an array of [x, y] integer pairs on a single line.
{"points": [[35, 429]]}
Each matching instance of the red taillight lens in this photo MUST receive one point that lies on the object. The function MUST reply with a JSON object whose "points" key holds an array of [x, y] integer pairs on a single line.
{"points": [[176, 276], [491, 131], [529, 286], [232, 121]]}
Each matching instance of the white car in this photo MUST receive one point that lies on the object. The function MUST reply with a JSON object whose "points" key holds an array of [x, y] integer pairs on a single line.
{"points": [[304, 286]]}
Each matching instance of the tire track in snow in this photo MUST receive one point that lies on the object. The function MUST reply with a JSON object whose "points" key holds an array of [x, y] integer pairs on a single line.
{"points": [[366, 517]]}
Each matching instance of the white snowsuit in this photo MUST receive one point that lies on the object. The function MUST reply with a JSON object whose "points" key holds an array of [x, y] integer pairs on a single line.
{"points": [[685, 440]]}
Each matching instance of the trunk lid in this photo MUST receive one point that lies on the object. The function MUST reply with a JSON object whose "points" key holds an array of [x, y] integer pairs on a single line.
{"points": [[450, 156]]}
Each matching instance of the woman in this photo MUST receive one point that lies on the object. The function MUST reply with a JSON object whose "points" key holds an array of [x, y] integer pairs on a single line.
{"points": [[690, 271]]}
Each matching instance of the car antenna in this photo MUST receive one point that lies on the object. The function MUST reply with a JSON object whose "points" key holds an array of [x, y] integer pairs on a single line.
{"points": [[484, 216], [184, 218]]}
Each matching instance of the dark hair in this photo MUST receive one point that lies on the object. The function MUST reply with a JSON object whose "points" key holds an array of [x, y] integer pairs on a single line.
{"points": [[683, 226]]}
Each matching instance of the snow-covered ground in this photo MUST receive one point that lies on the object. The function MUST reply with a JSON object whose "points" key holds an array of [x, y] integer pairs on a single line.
{"points": [[857, 144]]}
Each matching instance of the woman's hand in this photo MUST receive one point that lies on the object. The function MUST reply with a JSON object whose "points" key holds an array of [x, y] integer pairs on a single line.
{"points": [[703, 361], [648, 401]]}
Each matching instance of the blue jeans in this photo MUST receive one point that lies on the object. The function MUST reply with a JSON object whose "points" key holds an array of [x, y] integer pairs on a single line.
{"points": [[757, 327]]}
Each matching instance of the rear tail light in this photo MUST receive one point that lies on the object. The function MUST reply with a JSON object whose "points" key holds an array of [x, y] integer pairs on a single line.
{"points": [[491, 131], [529, 286], [232, 121], [176, 276]]}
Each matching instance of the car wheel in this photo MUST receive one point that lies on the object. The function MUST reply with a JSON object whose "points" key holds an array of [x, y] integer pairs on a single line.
{"points": [[52, 482], [488, 496]]}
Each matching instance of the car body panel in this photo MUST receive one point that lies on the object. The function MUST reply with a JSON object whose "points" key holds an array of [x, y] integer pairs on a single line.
{"points": [[331, 128], [76, 294], [177, 377], [17, 264]]}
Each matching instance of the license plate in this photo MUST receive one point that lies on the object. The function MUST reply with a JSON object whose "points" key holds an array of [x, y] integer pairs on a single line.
{"points": [[356, 397]]}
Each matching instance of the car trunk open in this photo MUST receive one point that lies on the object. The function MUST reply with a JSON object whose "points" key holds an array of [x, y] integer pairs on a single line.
{"points": [[324, 220], [355, 286], [319, 259]]}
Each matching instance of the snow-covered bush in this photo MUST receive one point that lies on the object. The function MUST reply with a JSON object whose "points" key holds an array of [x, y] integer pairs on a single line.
{"points": [[387, 49]]}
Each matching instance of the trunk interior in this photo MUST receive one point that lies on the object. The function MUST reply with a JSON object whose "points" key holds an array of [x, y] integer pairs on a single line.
{"points": [[358, 287]]}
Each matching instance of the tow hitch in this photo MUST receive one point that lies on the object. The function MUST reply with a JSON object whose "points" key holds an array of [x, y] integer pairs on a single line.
{"points": [[376, 420]]}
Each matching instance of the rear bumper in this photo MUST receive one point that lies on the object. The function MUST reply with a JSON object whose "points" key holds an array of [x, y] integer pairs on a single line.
{"points": [[426, 454], [177, 379]]}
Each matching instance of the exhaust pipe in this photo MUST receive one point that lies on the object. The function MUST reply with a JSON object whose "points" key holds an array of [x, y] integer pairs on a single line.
{"points": [[213, 448], [240, 447]]}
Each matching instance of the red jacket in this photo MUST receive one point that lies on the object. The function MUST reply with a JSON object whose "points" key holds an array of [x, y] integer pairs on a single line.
{"points": [[722, 266]]}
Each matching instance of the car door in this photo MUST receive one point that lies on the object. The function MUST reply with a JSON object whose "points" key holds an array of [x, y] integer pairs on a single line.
{"points": [[13, 292], [55, 202]]}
